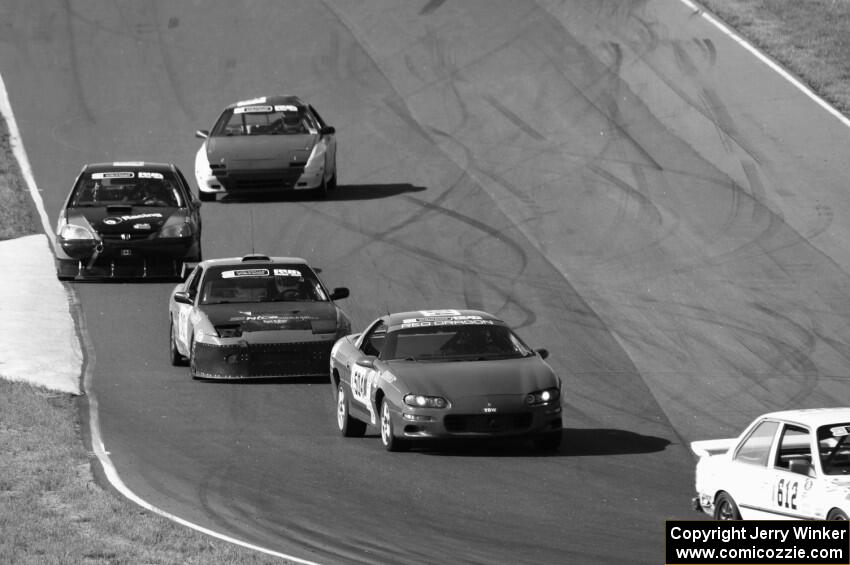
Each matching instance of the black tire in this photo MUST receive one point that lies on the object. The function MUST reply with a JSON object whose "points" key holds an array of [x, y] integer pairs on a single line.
{"points": [[322, 190], [176, 358], [549, 441], [836, 514], [348, 426], [332, 182], [206, 196], [388, 436], [725, 508]]}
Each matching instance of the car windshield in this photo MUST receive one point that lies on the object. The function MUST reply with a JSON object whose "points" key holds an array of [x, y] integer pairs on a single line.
{"points": [[834, 448], [454, 342], [264, 119], [269, 283], [130, 188]]}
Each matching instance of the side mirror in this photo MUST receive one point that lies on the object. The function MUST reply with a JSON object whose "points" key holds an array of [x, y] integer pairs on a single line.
{"points": [[202, 133], [327, 130], [339, 292], [182, 298], [800, 466], [543, 352], [367, 362]]}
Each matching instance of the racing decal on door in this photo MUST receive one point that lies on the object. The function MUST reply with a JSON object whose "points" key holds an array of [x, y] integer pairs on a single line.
{"points": [[786, 493], [362, 380]]}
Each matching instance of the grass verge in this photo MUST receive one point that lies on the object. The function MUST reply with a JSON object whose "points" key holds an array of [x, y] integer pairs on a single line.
{"points": [[809, 38], [54, 512]]}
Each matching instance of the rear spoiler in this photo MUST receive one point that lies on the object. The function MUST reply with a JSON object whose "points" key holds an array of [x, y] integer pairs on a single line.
{"points": [[186, 270], [710, 447]]}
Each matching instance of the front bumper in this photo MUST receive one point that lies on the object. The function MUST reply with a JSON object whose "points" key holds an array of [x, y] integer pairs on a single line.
{"points": [[435, 424], [143, 258], [261, 360], [263, 181]]}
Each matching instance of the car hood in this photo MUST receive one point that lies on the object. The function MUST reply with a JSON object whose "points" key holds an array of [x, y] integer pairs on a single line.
{"points": [[123, 219], [471, 378], [320, 317], [287, 148]]}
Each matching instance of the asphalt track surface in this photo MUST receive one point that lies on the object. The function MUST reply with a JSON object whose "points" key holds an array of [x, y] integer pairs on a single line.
{"points": [[619, 180]]}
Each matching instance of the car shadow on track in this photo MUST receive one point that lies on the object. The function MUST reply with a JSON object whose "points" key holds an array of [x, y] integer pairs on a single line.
{"points": [[341, 193], [574, 443], [322, 380]]}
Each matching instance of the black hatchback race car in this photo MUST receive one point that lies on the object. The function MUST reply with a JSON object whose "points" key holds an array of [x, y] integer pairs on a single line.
{"points": [[128, 220]]}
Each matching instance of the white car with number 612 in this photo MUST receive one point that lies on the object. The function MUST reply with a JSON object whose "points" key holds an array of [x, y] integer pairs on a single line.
{"points": [[784, 466]]}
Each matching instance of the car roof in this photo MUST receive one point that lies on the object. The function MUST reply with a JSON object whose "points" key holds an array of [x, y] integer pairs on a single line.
{"points": [[399, 317], [273, 99], [253, 260], [128, 165], [813, 417]]}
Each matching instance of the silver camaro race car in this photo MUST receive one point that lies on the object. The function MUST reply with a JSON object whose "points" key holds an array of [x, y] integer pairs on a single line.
{"points": [[270, 144], [254, 317], [444, 374]]}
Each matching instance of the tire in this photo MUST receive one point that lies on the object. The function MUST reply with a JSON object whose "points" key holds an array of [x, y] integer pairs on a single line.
{"points": [[322, 190], [206, 196], [725, 508], [348, 426], [176, 358], [66, 270], [836, 514], [388, 437], [332, 182], [549, 441]]}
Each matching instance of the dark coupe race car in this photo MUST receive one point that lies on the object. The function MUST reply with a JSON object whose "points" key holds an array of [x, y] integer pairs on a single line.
{"points": [[444, 374], [266, 145], [128, 219], [255, 317]]}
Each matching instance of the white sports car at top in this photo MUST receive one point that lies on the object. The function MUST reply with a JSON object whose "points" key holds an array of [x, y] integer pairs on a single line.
{"points": [[784, 466]]}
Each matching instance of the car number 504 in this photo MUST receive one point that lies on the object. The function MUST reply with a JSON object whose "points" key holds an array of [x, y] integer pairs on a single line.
{"points": [[360, 385]]}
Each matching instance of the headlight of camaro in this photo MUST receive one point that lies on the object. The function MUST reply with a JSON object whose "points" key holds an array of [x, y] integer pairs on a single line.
{"points": [[422, 401], [545, 396], [71, 232]]}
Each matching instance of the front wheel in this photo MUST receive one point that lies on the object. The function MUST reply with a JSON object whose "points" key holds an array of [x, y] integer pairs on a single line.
{"points": [[348, 426], [725, 508], [176, 358], [388, 437], [836, 514], [206, 196]]}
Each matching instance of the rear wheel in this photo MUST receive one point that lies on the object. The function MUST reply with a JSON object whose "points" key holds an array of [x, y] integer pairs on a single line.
{"points": [[348, 426], [388, 436], [725, 508], [836, 514]]}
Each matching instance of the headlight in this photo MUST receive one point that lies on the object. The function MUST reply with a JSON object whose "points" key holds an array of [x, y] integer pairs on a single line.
{"points": [[546, 396], [229, 331], [181, 229], [422, 401], [74, 232]]}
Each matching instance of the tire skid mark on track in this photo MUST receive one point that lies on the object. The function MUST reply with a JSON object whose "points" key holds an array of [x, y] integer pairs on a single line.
{"points": [[70, 15]]}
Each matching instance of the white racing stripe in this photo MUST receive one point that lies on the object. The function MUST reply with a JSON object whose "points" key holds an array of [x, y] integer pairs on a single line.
{"points": [[766, 60], [31, 372]]}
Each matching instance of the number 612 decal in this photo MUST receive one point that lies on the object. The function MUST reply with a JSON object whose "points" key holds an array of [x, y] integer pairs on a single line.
{"points": [[786, 494]]}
